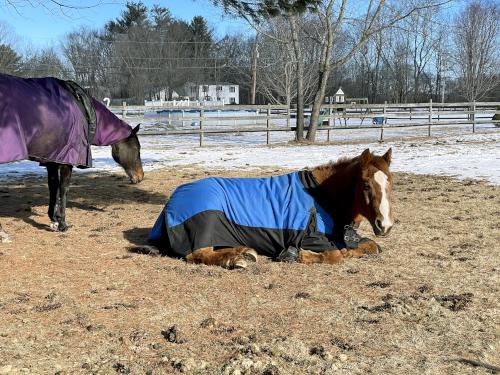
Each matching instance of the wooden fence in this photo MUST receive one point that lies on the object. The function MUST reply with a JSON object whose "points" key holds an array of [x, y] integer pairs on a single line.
{"points": [[278, 118]]}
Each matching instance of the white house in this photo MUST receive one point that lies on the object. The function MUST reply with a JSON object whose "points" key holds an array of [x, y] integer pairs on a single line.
{"points": [[197, 94], [339, 96], [226, 93]]}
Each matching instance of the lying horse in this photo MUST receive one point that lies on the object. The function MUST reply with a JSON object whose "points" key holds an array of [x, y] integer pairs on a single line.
{"points": [[308, 216], [55, 122]]}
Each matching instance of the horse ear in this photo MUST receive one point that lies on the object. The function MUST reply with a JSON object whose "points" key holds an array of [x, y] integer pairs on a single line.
{"points": [[365, 157], [388, 156], [136, 129]]}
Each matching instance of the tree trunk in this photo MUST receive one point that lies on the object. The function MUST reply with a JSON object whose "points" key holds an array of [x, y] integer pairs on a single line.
{"points": [[254, 73], [318, 101], [299, 130], [324, 73]]}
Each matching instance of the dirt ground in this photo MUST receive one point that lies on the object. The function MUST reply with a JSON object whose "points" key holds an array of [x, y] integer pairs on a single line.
{"points": [[81, 302]]}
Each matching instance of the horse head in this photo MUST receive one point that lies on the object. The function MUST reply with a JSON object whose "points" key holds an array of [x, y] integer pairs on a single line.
{"points": [[373, 191], [127, 153]]}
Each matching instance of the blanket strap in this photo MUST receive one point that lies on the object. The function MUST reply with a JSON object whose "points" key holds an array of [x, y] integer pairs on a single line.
{"points": [[84, 101], [351, 237]]}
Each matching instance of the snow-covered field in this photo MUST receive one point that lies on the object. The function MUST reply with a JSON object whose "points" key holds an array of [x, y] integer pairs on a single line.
{"points": [[452, 151]]}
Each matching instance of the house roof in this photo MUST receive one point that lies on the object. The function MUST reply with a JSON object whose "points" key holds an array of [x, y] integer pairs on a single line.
{"points": [[211, 84]]}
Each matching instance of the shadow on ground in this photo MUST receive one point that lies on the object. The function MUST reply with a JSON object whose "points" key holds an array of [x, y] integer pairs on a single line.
{"points": [[88, 192]]}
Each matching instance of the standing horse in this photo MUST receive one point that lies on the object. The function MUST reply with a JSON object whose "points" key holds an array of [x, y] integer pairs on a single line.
{"points": [[55, 122], [308, 216]]}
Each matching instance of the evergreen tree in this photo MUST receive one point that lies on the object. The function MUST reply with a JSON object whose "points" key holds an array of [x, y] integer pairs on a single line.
{"points": [[135, 15], [10, 61], [267, 8]]}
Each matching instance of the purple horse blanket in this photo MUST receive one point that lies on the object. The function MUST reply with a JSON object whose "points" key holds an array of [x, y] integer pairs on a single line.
{"points": [[42, 120]]}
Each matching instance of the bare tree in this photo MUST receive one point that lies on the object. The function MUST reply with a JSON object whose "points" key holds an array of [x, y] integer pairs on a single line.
{"points": [[52, 6], [422, 25], [7, 34], [44, 62], [336, 19], [477, 53], [257, 11], [277, 66], [233, 54], [396, 55], [407, 61], [89, 53]]}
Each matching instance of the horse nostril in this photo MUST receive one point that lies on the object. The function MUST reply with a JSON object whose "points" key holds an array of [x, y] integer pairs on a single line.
{"points": [[378, 225]]}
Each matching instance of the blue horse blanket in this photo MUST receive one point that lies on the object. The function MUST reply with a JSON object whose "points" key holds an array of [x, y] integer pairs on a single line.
{"points": [[267, 214], [41, 119]]}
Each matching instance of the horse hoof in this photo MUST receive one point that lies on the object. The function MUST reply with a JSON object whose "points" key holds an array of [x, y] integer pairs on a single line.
{"points": [[238, 262], [63, 227], [250, 255]]}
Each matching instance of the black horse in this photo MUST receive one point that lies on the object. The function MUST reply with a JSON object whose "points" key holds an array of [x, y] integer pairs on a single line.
{"points": [[55, 122]]}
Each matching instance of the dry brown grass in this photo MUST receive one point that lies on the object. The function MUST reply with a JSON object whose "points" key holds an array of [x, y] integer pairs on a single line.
{"points": [[79, 302]]}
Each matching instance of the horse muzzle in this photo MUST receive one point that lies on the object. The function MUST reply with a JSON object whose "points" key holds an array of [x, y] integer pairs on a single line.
{"points": [[136, 177], [379, 229]]}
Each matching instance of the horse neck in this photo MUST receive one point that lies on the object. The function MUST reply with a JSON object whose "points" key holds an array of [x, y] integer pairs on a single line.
{"points": [[109, 128], [337, 190]]}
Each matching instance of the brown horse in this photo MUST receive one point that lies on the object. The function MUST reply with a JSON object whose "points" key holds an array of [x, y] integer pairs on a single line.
{"points": [[340, 195]]}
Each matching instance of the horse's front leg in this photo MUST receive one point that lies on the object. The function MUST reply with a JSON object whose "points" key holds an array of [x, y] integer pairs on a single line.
{"points": [[59, 177], [234, 257], [53, 182], [365, 247], [328, 256], [64, 180]]}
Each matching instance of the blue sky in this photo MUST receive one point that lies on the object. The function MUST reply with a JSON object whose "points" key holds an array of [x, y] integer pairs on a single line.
{"points": [[39, 27]]}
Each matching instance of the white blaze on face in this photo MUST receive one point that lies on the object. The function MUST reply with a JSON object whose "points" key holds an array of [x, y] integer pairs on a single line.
{"points": [[385, 206]]}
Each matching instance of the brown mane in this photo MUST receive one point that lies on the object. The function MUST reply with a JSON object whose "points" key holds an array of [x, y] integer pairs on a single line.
{"points": [[325, 171]]}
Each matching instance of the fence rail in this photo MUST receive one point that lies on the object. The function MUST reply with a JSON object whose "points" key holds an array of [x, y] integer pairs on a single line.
{"points": [[278, 118]]}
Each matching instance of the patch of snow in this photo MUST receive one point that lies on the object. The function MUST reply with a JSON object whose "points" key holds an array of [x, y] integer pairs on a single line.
{"points": [[455, 152]]}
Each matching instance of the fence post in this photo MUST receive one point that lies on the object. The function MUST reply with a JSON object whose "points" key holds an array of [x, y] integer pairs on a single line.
{"points": [[288, 116], [201, 127], [474, 116], [383, 121], [329, 123], [268, 122], [430, 117], [124, 110]]}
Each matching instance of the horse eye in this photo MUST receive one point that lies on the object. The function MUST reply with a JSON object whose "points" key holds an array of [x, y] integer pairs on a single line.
{"points": [[366, 186]]}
